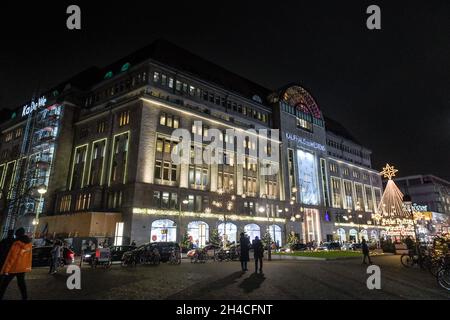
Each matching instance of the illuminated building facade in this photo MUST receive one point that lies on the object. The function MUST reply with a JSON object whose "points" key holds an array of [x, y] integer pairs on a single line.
{"points": [[113, 175], [118, 156], [432, 193], [355, 188]]}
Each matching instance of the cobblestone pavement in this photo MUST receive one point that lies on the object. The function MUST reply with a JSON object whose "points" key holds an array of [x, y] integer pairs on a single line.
{"points": [[340, 279]]}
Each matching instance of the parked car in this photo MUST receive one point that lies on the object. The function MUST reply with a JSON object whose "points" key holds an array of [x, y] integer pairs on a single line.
{"points": [[298, 247], [41, 256], [328, 246], [165, 249], [355, 246], [116, 253], [133, 257]]}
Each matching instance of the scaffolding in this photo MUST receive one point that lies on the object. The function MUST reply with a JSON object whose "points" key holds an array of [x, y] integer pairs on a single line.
{"points": [[34, 164]]}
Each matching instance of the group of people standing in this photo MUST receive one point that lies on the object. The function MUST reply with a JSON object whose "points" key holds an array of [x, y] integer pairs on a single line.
{"points": [[258, 252]]}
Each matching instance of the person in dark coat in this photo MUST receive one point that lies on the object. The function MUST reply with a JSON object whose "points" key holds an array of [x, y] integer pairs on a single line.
{"points": [[244, 247], [365, 251], [258, 250], [5, 245]]}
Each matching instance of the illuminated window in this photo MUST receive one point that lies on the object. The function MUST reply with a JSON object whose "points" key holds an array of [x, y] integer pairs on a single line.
{"points": [[162, 119], [114, 199], [165, 172], [199, 232], [348, 195], [114, 171], [124, 118], [249, 185], [18, 132], [167, 146], [333, 167], [65, 203], [118, 235], [159, 145], [9, 136], [198, 177], [199, 129], [336, 192], [168, 120], [225, 181], [83, 202], [304, 124], [359, 205], [101, 126], [369, 199], [156, 77]]}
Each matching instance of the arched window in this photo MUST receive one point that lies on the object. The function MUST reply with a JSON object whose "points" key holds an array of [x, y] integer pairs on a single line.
{"points": [[341, 235], [364, 235], [252, 230], [199, 232], [353, 235], [163, 231], [228, 232], [275, 234], [374, 234]]}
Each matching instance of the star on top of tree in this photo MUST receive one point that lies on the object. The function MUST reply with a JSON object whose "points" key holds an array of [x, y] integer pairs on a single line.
{"points": [[389, 172]]}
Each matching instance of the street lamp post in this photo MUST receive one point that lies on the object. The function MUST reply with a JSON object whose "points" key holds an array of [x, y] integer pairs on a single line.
{"points": [[185, 202], [42, 190], [359, 226], [261, 210], [219, 205], [358, 208]]}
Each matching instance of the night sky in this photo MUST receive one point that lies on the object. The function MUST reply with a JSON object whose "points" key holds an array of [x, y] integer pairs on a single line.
{"points": [[389, 87]]}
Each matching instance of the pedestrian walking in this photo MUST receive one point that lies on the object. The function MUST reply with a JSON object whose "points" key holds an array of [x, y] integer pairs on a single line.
{"points": [[17, 263], [258, 250], [244, 248], [55, 257], [365, 251], [5, 245]]}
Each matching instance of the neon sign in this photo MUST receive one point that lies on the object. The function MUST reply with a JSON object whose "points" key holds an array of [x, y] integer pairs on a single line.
{"points": [[416, 207], [306, 142], [29, 108]]}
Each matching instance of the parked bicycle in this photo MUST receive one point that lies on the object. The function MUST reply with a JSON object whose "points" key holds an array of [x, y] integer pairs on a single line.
{"points": [[198, 255], [175, 256], [443, 275], [151, 256], [412, 258], [230, 254]]}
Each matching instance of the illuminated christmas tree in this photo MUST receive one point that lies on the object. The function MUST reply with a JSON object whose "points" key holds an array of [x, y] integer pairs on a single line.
{"points": [[391, 204], [391, 210]]}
